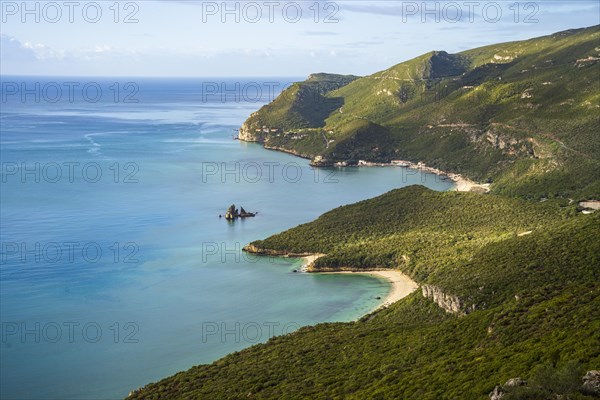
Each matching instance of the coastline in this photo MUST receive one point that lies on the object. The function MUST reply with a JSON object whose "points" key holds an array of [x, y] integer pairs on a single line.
{"points": [[401, 285], [462, 184]]}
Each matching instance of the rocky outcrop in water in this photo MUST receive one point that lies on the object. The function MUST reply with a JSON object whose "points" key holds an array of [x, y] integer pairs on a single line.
{"points": [[248, 134], [245, 214], [233, 213]]}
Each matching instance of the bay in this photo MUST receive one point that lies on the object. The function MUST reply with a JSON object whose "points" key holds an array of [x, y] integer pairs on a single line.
{"points": [[116, 268]]}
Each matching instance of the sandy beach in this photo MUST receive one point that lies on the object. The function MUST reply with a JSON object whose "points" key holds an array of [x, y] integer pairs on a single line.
{"points": [[401, 287], [401, 284], [466, 185], [462, 184], [309, 260]]}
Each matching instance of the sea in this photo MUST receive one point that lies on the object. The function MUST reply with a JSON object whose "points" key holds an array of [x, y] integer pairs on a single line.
{"points": [[116, 269]]}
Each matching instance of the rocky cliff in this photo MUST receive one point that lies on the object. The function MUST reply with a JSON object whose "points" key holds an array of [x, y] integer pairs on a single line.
{"points": [[451, 303]]}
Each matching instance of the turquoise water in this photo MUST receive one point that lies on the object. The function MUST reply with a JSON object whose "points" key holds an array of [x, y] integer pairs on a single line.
{"points": [[111, 281]]}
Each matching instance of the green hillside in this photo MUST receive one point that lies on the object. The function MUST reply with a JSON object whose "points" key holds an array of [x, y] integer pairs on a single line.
{"points": [[508, 287], [524, 274], [522, 115], [302, 105]]}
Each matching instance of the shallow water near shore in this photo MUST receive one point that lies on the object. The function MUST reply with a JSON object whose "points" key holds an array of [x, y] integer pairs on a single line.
{"points": [[109, 284]]}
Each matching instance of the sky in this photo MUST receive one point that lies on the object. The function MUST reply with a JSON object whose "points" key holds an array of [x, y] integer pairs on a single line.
{"points": [[191, 38]]}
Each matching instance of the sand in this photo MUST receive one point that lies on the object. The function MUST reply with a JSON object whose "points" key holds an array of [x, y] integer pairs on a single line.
{"points": [[401, 287], [401, 284], [309, 260], [462, 184], [466, 185]]}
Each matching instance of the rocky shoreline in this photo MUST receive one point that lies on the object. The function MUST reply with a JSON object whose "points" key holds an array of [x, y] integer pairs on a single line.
{"points": [[250, 248], [288, 151], [462, 184]]}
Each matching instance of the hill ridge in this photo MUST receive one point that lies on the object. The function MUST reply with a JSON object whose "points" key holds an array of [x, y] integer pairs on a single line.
{"points": [[527, 108]]}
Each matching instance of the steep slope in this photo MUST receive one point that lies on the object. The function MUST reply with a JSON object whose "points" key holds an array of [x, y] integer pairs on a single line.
{"points": [[523, 115], [302, 105], [509, 287], [422, 232], [530, 306]]}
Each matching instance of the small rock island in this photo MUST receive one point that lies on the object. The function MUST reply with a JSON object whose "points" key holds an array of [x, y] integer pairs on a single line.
{"points": [[233, 213]]}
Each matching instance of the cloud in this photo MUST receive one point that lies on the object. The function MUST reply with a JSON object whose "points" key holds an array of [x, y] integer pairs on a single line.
{"points": [[365, 43], [15, 50], [446, 11], [451, 12], [319, 33], [12, 49], [102, 49], [247, 52], [568, 7], [373, 9], [263, 10], [43, 52]]}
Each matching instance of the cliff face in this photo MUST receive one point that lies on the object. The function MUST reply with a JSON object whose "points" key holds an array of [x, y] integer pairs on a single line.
{"points": [[294, 121], [451, 303], [247, 134]]}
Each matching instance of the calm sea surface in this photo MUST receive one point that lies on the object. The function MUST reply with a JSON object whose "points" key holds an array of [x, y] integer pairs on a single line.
{"points": [[115, 267]]}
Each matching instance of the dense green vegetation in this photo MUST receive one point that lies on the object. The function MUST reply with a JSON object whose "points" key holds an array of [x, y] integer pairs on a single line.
{"points": [[523, 115], [537, 299], [522, 274], [424, 233], [302, 105]]}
